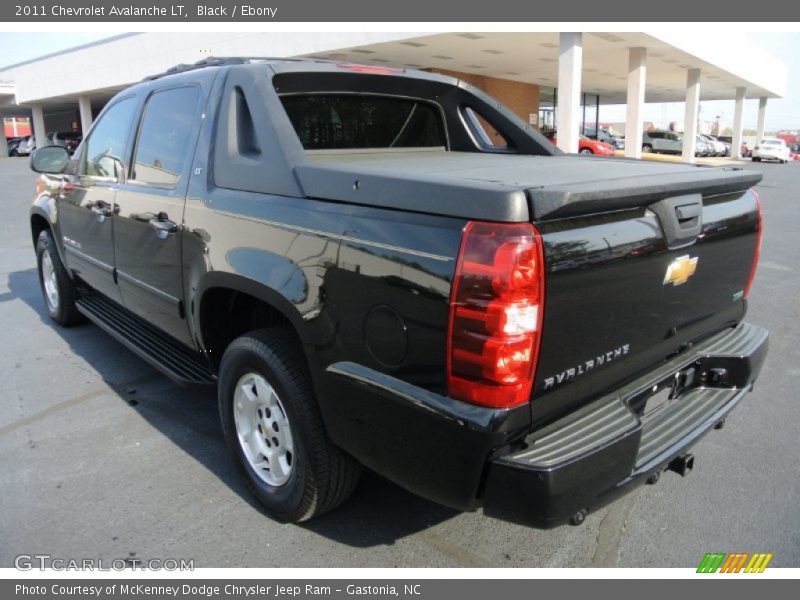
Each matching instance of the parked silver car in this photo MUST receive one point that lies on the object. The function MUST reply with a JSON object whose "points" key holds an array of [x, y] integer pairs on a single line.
{"points": [[718, 148], [26, 146]]}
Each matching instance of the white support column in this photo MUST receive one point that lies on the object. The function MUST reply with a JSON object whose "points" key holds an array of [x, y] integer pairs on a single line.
{"points": [[738, 123], [3, 140], [85, 109], [637, 78], [690, 116], [39, 132], [762, 115], [570, 64]]}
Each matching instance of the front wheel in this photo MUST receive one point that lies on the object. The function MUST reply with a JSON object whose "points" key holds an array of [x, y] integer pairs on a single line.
{"points": [[756, 159], [647, 149], [58, 290], [585, 152], [274, 429]]}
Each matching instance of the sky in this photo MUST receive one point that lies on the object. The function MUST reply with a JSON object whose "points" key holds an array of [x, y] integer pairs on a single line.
{"points": [[783, 113]]}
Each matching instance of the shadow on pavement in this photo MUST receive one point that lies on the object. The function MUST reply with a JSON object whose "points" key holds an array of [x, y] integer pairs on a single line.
{"points": [[378, 513]]}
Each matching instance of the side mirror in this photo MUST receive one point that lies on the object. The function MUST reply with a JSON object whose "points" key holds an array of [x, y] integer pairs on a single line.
{"points": [[49, 159]]}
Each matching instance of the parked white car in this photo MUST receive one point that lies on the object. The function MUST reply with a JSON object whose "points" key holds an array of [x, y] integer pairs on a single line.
{"points": [[771, 149]]}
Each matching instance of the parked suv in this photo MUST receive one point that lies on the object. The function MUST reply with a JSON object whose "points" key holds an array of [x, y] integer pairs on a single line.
{"points": [[662, 142], [603, 135], [386, 268]]}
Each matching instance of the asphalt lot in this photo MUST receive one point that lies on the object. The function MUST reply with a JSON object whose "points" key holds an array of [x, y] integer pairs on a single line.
{"points": [[102, 457]]}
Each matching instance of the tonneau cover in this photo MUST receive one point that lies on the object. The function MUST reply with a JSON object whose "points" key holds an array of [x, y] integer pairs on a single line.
{"points": [[499, 186]]}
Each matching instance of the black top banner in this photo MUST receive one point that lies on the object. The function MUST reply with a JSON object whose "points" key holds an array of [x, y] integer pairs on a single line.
{"points": [[630, 11]]}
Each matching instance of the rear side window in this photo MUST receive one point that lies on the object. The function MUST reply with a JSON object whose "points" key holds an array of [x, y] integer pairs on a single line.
{"points": [[163, 144], [488, 136], [342, 121], [105, 151]]}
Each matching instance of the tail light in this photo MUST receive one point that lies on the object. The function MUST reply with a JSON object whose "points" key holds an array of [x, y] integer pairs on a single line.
{"points": [[757, 252], [496, 309]]}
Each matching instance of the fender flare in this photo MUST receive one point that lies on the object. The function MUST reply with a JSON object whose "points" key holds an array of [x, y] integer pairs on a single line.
{"points": [[238, 283], [43, 207]]}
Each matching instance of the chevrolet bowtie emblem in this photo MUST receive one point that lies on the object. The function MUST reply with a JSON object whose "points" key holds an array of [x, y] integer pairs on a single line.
{"points": [[680, 269]]}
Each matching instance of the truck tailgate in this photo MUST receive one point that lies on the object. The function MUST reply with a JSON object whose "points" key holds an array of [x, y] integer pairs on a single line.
{"points": [[622, 295]]}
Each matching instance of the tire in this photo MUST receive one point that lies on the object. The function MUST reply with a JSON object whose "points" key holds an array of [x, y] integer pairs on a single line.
{"points": [[58, 290], [756, 159], [299, 474], [647, 148], [586, 152]]}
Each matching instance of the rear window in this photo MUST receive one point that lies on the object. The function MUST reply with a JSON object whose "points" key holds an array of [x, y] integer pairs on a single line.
{"points": [[342, 121]]}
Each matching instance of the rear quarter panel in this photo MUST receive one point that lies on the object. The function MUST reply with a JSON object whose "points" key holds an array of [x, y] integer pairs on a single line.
{"points": [[359, 284]]}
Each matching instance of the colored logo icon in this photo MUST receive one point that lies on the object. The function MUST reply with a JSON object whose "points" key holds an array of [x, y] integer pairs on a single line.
{"points": [[738, 562]]}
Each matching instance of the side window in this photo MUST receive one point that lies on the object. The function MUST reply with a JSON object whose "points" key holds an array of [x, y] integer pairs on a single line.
{"points": [[488, 136], [656, 135], [163, 143], [104, 155]]}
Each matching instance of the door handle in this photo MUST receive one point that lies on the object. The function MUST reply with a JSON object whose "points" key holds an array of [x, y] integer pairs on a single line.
{"points": [[163, 225], [102, 209]]}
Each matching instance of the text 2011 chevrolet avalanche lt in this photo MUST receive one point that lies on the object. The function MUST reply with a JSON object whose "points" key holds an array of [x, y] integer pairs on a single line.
{"points": [[386, 268]]}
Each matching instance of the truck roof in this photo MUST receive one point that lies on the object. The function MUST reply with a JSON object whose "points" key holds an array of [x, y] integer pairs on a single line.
{"points": [[288, 65]]}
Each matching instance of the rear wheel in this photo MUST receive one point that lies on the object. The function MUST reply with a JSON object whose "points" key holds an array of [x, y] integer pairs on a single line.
{"points": [[58, 290], [274, 429]]}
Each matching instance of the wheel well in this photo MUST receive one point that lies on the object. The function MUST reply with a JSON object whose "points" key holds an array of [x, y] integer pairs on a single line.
{"points": [[38, 225], [225, 314]]}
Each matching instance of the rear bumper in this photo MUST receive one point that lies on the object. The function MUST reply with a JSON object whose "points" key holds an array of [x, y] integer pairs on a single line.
{"points": [[604, 450], [769, 155]]}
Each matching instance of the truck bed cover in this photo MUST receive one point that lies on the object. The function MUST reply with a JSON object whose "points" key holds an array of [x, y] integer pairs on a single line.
{"points": [[501, 186]]}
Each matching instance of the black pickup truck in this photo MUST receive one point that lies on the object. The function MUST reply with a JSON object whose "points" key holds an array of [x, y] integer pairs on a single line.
{"points": [[387, 268]]}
